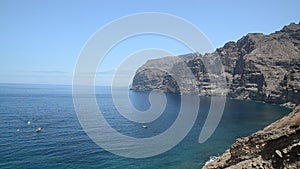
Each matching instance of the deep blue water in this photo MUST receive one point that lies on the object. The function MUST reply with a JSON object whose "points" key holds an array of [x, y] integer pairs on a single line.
{"points": [[63, 144]]}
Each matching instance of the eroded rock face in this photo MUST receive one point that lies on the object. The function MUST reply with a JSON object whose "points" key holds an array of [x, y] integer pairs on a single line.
{"points": [[258, 67], [276, 146]]}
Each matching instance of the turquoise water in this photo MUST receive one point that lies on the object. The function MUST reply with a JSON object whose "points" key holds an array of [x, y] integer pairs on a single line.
{"points": [[63, 144]]}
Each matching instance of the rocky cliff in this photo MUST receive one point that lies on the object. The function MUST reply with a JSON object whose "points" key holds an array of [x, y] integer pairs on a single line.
{"points": [[276, 146], [257, 67]]}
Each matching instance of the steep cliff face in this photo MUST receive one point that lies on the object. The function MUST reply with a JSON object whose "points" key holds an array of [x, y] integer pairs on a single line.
{"points": [[258, 67], [276, 146]]}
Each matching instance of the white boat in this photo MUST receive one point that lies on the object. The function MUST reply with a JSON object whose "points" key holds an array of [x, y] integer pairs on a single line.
{"points": [[39, 129]]}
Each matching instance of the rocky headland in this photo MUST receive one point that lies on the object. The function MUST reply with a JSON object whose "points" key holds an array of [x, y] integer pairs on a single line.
{"points": [[276, 146], [257, 67]]}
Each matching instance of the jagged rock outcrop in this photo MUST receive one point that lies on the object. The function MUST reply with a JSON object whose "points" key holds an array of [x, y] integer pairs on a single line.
{"points": [[275, 147], [257, 67]]}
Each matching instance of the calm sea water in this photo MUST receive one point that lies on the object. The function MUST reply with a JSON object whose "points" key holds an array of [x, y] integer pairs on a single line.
{"points": [[63, 143]]}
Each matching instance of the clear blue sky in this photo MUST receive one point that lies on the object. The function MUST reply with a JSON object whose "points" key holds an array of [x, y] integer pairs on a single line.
{"points": [[41, 40]]}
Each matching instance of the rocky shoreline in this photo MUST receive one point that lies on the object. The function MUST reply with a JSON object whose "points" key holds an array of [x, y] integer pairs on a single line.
{"points": [[276, 146], [257, 67]]}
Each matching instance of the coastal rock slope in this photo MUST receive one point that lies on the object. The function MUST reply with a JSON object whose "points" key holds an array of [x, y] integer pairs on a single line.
{"points": [[257, 67], [276, 146]]}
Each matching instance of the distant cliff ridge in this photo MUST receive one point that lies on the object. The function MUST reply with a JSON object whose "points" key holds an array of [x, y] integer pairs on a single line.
{"points": [[257, 67]]}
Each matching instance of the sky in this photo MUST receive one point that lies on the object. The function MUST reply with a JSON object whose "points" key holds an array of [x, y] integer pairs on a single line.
{"points": [[41, 40]]}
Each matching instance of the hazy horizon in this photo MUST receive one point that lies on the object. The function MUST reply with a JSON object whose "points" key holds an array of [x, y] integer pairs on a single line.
{"points": [[41, 40]]}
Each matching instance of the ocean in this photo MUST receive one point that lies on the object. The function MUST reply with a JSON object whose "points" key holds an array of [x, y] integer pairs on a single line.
{"points": [[62, 143]]}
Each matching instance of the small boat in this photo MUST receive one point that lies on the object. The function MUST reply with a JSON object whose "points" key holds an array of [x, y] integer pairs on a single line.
{"points": [[144, 126], [28, 123], [39, 129]]}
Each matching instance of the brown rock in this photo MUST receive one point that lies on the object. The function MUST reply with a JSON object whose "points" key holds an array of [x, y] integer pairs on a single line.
{"points": [[277, 148]]}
